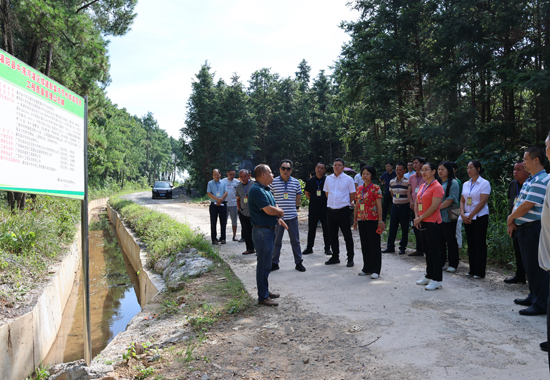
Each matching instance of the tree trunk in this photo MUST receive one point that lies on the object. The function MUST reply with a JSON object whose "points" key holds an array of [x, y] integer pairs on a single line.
{"points": [[35, 54], [7, 26], [49, 60]]}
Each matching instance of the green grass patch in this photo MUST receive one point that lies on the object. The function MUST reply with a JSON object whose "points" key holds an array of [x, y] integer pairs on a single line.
{"points": [[162, 235]]}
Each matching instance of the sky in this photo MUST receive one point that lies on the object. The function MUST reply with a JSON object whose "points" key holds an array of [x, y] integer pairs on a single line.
{"points": [[155, 63]]}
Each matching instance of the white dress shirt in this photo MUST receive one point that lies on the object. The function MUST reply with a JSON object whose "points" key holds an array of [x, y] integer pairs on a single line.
{"points": [[338, 190]]}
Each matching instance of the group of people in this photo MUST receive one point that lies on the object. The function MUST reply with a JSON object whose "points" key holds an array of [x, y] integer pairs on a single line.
{"points": [[422, 194]]}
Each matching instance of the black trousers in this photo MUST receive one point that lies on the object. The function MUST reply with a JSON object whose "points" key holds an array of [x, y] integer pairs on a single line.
{"points": [[520, 270], [339, 219], [430, 234], [416, 234], [316, 214], [215, 212], [370, 246], [387, 202], [246, 231], [536, 276], [399, 216], [448, 241], [476, 235], [548, 328]]}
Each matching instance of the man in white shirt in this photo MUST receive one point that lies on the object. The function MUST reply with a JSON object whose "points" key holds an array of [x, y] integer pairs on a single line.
{"points": [[340, 191], [544, 244], [231, 184], [358, 179]]}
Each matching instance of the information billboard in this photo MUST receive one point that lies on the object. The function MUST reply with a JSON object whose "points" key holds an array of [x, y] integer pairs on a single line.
{"points": [[41, 133]]}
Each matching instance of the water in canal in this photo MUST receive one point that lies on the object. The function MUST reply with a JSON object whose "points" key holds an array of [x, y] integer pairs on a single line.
{"points": [[113, 299]]}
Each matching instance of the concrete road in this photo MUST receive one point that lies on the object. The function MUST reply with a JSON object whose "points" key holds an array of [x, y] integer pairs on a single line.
{"points": [[469, 329]]}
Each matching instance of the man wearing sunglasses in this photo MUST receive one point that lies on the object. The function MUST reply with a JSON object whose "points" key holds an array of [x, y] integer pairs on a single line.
{"points": [[288, 195]]}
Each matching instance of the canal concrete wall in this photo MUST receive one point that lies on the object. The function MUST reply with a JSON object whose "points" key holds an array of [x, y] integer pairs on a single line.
{"points": [[149, 283], [26, 340]]}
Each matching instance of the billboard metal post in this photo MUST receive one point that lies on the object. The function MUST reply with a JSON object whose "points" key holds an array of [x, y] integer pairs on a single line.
{"points": [[85, 252]]}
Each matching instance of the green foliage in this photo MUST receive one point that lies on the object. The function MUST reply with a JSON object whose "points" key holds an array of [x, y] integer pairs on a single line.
{"points": [[31, 239], [274, 118], [143, 372], [162, 234], [305, 201], [130, 352], [40, 373]]}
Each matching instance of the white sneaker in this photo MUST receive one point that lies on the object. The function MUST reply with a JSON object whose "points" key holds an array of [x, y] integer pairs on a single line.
{"points": [[423, 281], [374, 275], [451, 269], [476, 277], [363, 273], [433, 285]]}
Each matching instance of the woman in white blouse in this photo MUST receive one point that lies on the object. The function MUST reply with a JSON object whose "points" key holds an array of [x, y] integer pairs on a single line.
{"points": [[474, 212]]}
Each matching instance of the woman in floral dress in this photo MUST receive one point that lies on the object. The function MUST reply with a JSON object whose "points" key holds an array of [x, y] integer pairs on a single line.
{"points": [[368, 218]]}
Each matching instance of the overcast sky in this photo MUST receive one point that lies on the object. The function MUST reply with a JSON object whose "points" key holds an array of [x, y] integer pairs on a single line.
{"points": [[153, 66]]}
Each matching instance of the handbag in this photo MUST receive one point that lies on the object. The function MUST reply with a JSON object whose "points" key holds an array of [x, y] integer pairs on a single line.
{"points": [[454, 213]]}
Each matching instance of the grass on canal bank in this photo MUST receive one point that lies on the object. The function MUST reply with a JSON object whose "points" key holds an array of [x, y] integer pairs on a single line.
{"points": [[33, 239], [165, 237]]}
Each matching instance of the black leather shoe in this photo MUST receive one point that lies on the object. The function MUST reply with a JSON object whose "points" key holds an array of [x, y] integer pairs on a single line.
{"points": [[328, 252], [307, 251], [523, 301], [274, 266], [416, 253], [389, 250], [402, 251], [350, 263], [544, 346], [532, 310], [515, 280], [300, 267], [331, 261]]}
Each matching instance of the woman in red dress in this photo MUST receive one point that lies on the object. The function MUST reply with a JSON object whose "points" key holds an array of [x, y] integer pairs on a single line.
{"points": [[368, 217]]}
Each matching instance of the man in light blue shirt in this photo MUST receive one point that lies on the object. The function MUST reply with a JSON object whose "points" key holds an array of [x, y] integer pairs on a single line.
{"points": [[526, 219], [217, 192]]}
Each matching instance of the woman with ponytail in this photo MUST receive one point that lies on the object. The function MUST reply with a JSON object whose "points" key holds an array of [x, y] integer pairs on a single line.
{"points": [[428, 221], [448, 227], [475, 214]]}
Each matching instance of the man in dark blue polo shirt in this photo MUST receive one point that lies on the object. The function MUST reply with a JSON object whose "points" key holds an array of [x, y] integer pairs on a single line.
{"points": [[264, 215]]}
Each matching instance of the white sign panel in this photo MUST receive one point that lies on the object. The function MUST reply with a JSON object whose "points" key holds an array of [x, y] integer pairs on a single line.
{"points": [[41, 133]]}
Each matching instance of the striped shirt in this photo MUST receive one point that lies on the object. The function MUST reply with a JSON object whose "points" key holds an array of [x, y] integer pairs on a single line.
{"points": [[292, 188], [533, 190], [399, 190]]}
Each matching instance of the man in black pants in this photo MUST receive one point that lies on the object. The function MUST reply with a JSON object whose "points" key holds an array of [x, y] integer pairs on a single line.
{"points": [[520, 176], [317, 208], [242, 191], [399, 215], [340, 192]]}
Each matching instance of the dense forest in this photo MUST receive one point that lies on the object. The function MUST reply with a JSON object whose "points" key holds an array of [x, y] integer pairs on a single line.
{"points": [[441, 79], [67, 40]]}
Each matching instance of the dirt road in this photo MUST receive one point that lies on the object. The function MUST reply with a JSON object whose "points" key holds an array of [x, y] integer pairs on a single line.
{"points": [[469, 329]]}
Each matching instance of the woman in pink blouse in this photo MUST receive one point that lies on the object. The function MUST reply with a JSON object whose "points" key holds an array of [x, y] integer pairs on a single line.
{"points": [[368, 217]]}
